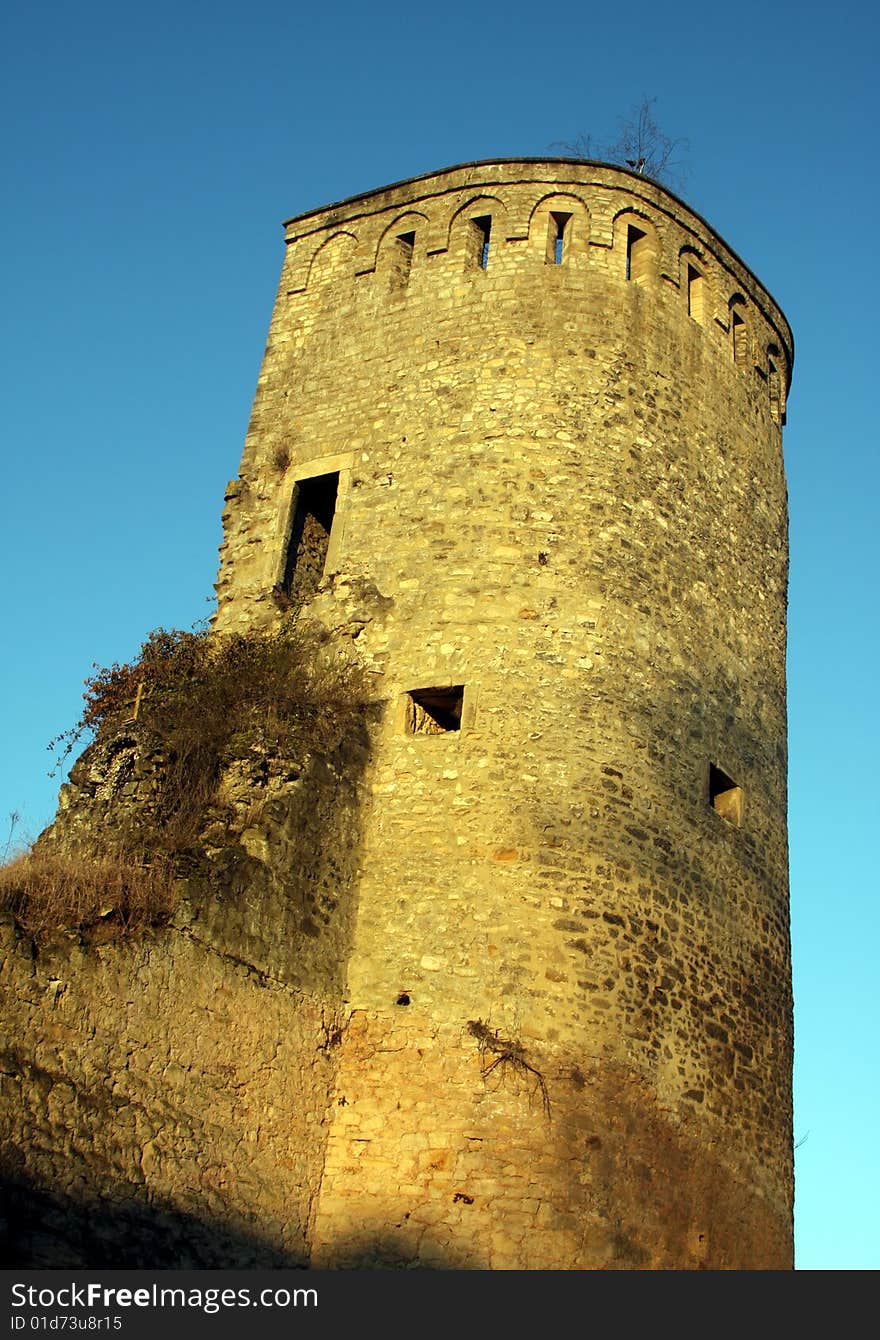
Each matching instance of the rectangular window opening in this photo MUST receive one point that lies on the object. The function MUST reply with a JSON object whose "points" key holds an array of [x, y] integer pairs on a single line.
{"points": [[313, 512], [725, 797], [434, 711], [483, 226], [636, 241]]}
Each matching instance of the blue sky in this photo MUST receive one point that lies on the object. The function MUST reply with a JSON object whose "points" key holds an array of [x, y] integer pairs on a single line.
{"points": [[150, 155]]}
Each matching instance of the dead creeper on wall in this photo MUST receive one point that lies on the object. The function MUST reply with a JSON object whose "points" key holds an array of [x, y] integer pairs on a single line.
{"points": [[507, 1056]]}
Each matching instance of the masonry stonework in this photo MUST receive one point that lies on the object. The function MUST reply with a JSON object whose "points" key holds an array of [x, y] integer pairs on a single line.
{"points": [[549, 398], [506, 984]]}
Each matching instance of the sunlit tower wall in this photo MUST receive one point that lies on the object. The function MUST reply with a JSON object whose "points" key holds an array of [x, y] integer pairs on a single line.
{"points": [[517, 444]]}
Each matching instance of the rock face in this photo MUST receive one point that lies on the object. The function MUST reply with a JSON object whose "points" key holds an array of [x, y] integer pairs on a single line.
{"points": [[517, 444]]}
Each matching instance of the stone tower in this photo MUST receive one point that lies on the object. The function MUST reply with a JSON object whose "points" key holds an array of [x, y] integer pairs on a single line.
{"points": [[517, 437]]}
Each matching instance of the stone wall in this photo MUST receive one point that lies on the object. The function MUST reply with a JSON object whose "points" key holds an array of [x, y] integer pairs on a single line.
{"points": [[446, 1155], [164, 1106]]}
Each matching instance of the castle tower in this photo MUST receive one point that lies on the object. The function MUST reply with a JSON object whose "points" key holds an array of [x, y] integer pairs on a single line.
{"points": [[517, 436]]}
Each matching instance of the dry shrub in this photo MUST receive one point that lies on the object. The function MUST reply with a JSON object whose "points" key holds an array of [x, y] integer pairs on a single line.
{"points": [[107, 897], [206, 699], [200, 701]]}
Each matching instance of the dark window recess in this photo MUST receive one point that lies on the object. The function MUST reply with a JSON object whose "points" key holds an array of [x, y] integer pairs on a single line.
{"points": [[404, 245], [556, 245], [636, 252], [434, 711], [483, 229], [313, 512], [725, 797]]}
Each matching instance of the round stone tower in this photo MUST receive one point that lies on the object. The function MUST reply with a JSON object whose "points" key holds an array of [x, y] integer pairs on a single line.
{"points": [[517, 436]]}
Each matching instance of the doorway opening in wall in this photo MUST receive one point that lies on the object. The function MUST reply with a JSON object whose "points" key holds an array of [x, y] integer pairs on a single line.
{"points": [[434, 711], [314, 506], [725, 797]]}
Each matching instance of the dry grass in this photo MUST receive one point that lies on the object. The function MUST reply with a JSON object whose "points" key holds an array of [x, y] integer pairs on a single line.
{"points": [[106, 897]]}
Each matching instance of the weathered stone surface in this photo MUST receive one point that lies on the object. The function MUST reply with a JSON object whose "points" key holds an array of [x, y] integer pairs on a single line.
{"points": [[163, 1106], [561, 488], [163, 1103]]}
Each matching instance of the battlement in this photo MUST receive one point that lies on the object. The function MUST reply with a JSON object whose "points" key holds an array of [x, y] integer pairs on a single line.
{"points": [[501, 215]]}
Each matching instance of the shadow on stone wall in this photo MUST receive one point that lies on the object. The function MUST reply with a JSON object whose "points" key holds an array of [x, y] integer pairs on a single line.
{"points": [[40, 1230], [651, 1192], [277, 886]]}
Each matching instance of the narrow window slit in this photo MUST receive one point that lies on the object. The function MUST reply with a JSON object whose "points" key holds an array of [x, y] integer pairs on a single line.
{"points": [[636, 256], [557, 239], [402, 264], [695, 284], [740, 346], [773, 379], [313, 511], [483, 227], [434, 711]]}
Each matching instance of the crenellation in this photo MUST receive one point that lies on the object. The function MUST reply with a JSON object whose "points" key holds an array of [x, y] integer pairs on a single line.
{"points": [[610, 201]]}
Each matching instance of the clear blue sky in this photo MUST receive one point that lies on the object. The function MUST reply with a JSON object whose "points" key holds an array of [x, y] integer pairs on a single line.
{"points": [[150, 155]]}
